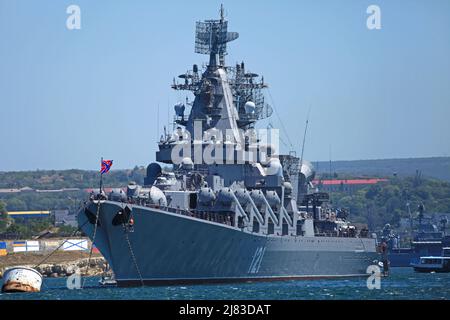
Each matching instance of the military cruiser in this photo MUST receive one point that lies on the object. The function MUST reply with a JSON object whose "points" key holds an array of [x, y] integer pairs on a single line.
{"points": [[226, 207]]}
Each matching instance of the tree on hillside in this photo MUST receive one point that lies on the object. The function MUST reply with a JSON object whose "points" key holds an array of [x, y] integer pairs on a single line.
{"points": [[5, 221]]}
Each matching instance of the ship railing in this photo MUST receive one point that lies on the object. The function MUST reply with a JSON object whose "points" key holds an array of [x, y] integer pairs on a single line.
{"points": [[202, 215], [183, 118], [339, 234], [326, 234], [202, 171], [170, 209]]}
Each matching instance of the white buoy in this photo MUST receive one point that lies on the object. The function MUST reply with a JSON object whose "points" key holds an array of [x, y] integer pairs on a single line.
{"points": [[21, 279]]}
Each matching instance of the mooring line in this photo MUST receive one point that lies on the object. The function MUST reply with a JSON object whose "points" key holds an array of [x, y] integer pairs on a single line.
{"points": [[51, 253], [93, 239], [133, 257]]}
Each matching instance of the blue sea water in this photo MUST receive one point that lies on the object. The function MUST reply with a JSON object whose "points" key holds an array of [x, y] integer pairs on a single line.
{"points": [[402, 283]]}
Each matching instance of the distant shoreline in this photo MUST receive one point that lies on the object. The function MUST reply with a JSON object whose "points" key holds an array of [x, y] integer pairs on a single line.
{"points": [[57, 264], [151, 160]]}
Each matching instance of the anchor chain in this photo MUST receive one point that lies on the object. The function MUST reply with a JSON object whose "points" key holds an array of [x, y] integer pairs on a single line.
{"points": [[93, 239], [133, 257]]}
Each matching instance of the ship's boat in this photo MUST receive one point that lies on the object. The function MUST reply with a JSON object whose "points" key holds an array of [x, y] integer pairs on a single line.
{"points": [[430, 264], [226, 206], [426, 240]]}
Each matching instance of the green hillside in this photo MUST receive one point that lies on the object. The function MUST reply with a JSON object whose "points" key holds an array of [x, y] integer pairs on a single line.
{"points": [[386, 203], [438, 167], [75, 178], [376, 205]]}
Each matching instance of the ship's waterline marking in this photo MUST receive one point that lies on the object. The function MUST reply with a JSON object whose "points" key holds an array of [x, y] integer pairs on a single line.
{"points": [[374, 20], [73, 21]]}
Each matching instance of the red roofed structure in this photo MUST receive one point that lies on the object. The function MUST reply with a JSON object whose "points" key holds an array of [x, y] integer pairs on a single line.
{"points": [[345, 184]]}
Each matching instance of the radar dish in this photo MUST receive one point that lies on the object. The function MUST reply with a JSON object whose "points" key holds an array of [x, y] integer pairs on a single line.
{"points": [[211, 36], [232, 36], [264, 111]]}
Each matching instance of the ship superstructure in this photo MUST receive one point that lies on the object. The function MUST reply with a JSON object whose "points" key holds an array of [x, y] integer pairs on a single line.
{"points": [[228, 207]]}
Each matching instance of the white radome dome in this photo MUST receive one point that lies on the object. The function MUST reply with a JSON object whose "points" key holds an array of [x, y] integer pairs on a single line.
{"points": [[187, 163], [157, 197], [250, 107], [274, 167]]}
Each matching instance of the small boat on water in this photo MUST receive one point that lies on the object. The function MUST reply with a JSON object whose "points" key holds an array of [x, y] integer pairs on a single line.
{"points": [[434, 263], [107, 281]]}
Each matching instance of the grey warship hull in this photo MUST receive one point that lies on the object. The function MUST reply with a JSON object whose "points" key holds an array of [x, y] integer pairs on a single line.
{"points": [[171, 248]]}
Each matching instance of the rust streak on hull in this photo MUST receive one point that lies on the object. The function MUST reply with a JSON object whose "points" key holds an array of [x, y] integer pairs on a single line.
{"points": [[14, 286]]}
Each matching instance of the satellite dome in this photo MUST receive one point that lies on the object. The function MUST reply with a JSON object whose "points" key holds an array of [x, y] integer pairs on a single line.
{"points": [[187, 163], [250, 107], [156, 196], [274, 167]]}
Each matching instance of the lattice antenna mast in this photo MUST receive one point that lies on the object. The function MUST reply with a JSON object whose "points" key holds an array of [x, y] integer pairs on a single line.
{"points": [[211, 37]]}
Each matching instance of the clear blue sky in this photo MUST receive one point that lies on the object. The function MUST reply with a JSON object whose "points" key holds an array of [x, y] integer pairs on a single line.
{"points": [[69, 97]]}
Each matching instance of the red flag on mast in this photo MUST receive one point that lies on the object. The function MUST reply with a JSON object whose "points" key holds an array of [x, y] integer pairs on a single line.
{"points": [[106, 165]]}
